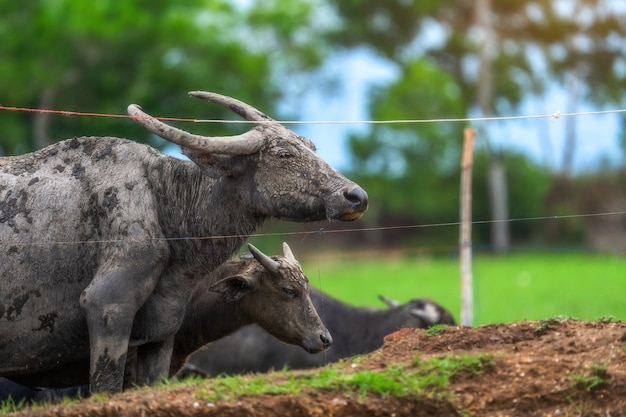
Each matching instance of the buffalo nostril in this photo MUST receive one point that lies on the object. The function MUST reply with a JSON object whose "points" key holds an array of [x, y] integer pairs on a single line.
{"points": [[326, 339], [358, 197]]}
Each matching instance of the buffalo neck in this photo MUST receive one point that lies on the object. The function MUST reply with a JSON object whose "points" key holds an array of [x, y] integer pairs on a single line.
{"points": [[195, 208], [208, 318]]}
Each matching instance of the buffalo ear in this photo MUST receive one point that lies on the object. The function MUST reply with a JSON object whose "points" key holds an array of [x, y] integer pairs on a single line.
{"points": [[233, 288]]}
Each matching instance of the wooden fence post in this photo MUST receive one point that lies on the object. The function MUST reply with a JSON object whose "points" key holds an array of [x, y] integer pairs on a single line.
{"points": [[465, 240]]}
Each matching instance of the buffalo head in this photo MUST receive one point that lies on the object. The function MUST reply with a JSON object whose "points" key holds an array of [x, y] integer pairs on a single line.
{"points": [[285, 177], [276, 293]]}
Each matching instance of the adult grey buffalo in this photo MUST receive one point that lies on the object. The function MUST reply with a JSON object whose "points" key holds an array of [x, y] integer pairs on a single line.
{"points": [[355, 330], [103, 239], [270, 292]]}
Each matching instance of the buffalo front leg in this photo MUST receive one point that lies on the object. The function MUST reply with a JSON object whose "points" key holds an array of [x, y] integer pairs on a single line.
{"points": [[156, 323], [110, 302], [153, 361]]}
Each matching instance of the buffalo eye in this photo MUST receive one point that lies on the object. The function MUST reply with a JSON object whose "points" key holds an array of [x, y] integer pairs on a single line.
{"points": [[290, 292], [284, 154]]}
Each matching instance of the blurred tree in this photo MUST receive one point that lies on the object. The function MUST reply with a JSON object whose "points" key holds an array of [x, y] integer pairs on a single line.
{"points": [[102, 55], [536, 42], [496, 54], [529, 184], [411, 168]]}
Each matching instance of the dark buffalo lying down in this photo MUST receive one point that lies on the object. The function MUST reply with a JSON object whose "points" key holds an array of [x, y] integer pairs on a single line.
{"points": [[20, 394], [355, 331], [104, 239], [270, 292]]}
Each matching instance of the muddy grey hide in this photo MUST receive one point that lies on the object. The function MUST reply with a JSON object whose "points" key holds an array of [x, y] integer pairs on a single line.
{"points": [[103, 239]]}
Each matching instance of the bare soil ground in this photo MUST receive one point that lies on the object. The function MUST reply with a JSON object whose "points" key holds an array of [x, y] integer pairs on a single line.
{"points": [[555, 367]]}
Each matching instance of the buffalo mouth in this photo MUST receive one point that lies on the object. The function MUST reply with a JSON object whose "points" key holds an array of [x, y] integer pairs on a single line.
{"points": [[318, 344], [314, 349], [348, 217]]}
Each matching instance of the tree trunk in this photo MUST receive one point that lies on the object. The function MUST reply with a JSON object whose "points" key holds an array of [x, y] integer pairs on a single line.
{"points": [[498, 196], [500, 236]]}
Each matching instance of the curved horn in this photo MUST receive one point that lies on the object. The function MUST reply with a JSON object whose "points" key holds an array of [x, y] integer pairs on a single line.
{"points": [[390, 303], [287, 253], [267, 262], [243, 144], [242, 109]]}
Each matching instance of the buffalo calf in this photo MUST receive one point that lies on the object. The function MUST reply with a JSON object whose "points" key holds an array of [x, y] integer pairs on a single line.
{"points": [[355, 330]]}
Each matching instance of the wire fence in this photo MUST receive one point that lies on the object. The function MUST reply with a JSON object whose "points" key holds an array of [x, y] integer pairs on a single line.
{"points": [[553, 116]]}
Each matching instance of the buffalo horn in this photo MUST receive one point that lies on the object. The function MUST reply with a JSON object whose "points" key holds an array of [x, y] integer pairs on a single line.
{"points": [[390, 303], [242, 109], [287, 253], [267, 262], [244, 144]]}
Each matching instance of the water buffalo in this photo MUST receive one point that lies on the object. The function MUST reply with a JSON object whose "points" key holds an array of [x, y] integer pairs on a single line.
{"points": [[355, 330], [270, 292], [103, 239]]}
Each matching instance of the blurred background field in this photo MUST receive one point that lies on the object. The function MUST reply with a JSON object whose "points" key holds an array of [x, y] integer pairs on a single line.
{"points": [[507, 288], [350, 63]]}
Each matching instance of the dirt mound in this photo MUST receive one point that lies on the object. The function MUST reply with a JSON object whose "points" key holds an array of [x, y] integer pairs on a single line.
{"points": [[555, 367]]}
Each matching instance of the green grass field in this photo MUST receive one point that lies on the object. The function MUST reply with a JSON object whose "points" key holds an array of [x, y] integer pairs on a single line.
{"points": [[506, 288]]}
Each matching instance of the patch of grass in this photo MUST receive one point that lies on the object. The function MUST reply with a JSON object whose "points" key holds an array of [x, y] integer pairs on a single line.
{"points": [[439, 370], [596, 376], [436, 329], [229, 387], [582, 408], [421, 377], [10, 406], [544, 324], [608, 319]]}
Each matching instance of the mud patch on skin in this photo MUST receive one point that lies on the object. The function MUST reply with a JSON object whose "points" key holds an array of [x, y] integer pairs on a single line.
{"points": [[92, 214], [47, 322], [78, 172], [11, 206], [13, 311], [104, 153], [109, 200], [108, 369]]}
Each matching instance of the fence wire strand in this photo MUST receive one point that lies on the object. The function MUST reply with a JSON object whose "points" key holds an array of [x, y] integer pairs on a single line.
{"points": [[320, 231], [554, 116]]}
